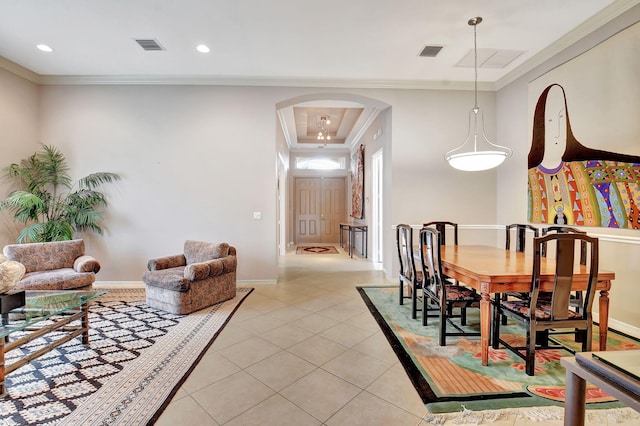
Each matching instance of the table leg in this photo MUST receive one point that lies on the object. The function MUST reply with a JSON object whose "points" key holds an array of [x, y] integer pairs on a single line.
{"points": [[495, 343], [603, 313], [84, 323], [352, 237], [485, 323], [3, 386], [364, 242], [575, 397]]}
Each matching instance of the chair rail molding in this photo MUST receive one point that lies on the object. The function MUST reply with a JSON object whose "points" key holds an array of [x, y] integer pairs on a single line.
{"points": [[622, 239]]}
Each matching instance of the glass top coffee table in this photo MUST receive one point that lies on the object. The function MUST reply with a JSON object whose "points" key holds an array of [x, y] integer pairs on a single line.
{"points": [[42, 313]]}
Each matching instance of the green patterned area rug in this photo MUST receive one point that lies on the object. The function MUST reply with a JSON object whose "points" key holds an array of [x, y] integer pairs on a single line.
{"points": [[452, 379], [135, 362]]}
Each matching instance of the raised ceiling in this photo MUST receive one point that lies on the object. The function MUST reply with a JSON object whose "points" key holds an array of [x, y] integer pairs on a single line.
{"points": [[309, 124], [333, 43]]}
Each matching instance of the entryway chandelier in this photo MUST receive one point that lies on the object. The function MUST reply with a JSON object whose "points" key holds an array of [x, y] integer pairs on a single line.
{"points": [[482, 154], [323, 129]]}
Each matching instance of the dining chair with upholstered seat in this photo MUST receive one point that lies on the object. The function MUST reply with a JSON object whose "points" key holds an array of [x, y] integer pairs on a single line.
{"points": [[408, 274], [576, 296], [540, 315], [442, 226], [437, 291], [519, 232]]}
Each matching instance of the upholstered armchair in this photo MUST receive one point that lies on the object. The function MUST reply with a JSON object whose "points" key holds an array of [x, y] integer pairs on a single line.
{"points": [[59, 265], [205, 274]]}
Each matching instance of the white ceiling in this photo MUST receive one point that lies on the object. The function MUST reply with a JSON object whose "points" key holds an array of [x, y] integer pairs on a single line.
{"points": [[340, 43]]}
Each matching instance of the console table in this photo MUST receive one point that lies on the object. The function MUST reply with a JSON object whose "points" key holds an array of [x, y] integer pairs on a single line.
{"points": [[351, 229], [616, 383]]}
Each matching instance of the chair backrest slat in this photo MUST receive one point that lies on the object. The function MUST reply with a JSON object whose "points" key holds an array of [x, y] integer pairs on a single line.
{"points": [[404, 242], [521, 235], [565, 266], [430, 245], [564, 230], [441, 227]]}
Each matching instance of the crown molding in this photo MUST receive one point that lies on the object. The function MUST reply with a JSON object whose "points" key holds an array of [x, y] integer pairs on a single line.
{"points": [[372, 114], [609, 13], [260, 81], [19, 70], [285, 128]]}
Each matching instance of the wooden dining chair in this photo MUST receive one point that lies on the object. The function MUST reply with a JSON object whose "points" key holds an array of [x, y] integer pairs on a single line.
{"points": [[542, 318], [563, 230], [519, 231], [441, 227], [439, 293], [408, 275], [576, 296]]}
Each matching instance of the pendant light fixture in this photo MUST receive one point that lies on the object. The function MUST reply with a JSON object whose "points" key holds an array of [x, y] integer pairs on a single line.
{"points": [[477, 152], [323, 129]]}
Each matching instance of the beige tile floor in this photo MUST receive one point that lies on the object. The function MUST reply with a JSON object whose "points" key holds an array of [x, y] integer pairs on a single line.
{"points": [[307, 352]]}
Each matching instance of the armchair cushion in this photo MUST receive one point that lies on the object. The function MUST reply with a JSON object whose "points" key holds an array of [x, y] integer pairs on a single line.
{"points": [[86, 264], [230, 263], [46, 256], [166, 262], [198, 251], [169, 279], [216, 266], [196, 271]]}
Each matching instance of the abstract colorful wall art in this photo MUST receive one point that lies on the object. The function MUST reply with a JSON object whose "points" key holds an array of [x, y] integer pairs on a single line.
{"points": [[357, 183], [585, 186]]}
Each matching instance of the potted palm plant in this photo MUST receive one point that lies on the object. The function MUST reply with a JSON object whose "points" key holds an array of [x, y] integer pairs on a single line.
{"points": [[49, 203]]}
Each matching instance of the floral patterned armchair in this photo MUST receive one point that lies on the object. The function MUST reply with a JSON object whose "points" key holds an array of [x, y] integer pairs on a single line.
{"points": [[59, 265], [205, 274]]}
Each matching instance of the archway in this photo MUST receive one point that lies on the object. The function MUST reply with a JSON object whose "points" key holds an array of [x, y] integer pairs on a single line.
{"points": [[295, 115]]}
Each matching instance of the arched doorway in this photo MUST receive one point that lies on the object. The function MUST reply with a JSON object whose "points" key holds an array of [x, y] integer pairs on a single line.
{"points": [[355, 120]]}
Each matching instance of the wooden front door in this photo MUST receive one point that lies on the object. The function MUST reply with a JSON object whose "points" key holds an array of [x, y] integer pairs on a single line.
{"points": [[320, 207]]}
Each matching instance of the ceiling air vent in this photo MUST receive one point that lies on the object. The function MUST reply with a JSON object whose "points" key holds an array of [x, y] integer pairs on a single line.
{"points": [[430, 51], [150, 44], [489, 58]]}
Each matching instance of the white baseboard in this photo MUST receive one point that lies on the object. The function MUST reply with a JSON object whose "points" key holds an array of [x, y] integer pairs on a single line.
{"points": [[257, 282], [620, 326], [119, 284], [130, 284]]}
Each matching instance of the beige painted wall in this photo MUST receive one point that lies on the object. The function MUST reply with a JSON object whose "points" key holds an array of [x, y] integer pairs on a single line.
{"points": [[19, 121], [620, 249], [197, 161]]}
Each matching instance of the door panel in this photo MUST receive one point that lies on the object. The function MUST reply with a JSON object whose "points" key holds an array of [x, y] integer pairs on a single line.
{"points": [[307, 210], [320, 207], [333, 208]]}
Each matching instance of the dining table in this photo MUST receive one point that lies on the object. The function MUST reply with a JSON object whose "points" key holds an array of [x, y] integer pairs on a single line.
{"points": [[492, 270]]}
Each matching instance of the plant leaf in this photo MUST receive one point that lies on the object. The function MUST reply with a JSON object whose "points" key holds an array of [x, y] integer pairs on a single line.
{"points": [[45, 200], [94, 180]]}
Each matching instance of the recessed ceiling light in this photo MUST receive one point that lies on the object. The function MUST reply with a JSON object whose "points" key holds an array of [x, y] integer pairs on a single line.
{"points": [[44, 48], [203, 48]]}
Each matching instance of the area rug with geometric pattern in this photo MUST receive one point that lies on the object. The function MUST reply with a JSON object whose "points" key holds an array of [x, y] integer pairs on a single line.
{"points": [[451, 378], [137, 359], [316, 250]]}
